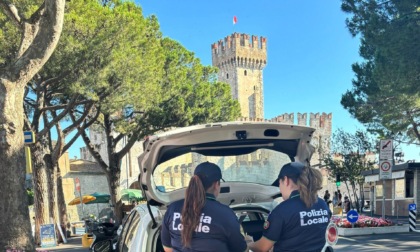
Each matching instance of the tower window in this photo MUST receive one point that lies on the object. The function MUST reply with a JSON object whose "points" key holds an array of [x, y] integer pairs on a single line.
{"points": [[245, 73], [227, 76]]}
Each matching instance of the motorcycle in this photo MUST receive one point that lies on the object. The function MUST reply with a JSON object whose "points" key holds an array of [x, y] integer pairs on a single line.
{"points": [[104, 232]]}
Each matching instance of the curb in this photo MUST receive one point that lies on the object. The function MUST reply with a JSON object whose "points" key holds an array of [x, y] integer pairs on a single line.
{"points": [[372, 230]]}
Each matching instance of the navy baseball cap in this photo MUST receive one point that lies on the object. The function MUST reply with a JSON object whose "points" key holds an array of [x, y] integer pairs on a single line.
{"points": [[208, 173], [291, 170]]}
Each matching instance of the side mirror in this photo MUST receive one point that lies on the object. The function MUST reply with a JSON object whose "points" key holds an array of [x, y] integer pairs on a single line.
{"points": [[103, 246]]}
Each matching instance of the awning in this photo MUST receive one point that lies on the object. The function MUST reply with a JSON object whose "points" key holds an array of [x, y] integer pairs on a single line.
{"points": [[372, 178], [398, 174], [395, 175]]}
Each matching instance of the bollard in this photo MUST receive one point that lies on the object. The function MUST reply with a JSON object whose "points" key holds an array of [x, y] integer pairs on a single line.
{"points": [[412, 220]]}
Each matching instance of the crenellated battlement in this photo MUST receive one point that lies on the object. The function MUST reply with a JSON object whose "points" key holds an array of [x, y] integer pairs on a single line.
{"points": [[284, 118], [323, 120], [240, 50], [302, 119]]}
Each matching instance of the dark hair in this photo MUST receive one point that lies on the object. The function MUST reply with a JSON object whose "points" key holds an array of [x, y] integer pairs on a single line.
{"points": [[309, 183], [195, 199]]}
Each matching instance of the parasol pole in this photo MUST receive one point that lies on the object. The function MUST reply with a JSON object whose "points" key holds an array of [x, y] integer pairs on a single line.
{"points": [[81, 203]]}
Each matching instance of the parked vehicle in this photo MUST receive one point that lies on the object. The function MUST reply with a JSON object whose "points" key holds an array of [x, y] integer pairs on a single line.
{"points": [[104, 232], [250, 155]]}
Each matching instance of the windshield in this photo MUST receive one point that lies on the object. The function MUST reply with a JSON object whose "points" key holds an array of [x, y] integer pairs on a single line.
{"points": [[261, 166]]}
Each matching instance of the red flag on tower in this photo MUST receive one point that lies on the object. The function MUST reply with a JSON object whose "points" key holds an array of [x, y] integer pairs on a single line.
{"points": [[235, 20]]}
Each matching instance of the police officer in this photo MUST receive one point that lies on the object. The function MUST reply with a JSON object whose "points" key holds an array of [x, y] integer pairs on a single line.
{"points": [[200, 223], [299, 222]]}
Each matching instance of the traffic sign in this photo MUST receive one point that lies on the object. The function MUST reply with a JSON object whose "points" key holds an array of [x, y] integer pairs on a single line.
{"points": [[412, 207], [332, 234], [385, 169], [385, 149], [77, 183], [352, 216], [29, 137]]}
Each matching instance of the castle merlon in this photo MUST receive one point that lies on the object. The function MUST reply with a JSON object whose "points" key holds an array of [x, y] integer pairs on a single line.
{"points": [[240, 50]]}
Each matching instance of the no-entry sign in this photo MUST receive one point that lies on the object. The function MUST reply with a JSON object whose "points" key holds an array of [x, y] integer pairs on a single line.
{"points": [[385, 171]]}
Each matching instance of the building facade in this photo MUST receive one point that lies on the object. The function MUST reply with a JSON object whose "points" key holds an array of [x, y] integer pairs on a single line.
{"points": [[393, 196]]}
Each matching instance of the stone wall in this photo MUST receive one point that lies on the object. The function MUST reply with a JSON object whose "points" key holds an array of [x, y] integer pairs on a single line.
{"points": [[90, 183]]}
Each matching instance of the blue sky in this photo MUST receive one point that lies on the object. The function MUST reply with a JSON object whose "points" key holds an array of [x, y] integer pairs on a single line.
{"points": [[309, 49]]}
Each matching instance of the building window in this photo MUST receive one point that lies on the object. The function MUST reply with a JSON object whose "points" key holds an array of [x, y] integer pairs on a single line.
{"points": [[245, 73], [409, 184], [227, 76]]}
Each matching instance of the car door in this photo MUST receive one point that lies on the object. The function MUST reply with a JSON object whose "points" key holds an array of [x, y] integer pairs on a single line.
{"points": [[129, 232]]}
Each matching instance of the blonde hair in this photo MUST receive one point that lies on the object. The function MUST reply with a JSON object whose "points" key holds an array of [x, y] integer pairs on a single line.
{"points": [[309, 183]]}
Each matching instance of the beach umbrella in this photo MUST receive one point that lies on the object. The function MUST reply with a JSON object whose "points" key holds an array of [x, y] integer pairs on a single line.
{"points": [[99, 198], [85, 199], [131, 194]]}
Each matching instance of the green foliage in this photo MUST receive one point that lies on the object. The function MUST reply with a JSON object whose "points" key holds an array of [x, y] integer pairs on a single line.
{"points": [[189, 91], [9, 34], [350, 155], [30, 196], [386, 91]]}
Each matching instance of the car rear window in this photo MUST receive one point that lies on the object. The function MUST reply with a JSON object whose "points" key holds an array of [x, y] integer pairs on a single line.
{"points": [[260, 166]]}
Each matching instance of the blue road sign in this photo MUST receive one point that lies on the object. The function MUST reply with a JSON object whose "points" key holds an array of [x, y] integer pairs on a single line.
{"points": [[412, 207], [352, 216], [29, 137]]}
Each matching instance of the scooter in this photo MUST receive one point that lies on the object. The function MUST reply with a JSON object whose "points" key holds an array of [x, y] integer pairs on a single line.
{"points": [[104, 232]]}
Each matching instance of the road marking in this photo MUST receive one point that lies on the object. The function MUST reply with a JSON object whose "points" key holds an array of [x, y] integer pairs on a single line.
{"points": [[346, 238]]}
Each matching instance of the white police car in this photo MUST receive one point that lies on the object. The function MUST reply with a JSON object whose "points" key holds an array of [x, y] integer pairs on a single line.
{"points": [[250, 155]]}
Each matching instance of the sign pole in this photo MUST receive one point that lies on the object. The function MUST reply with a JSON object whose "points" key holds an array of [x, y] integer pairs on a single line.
{"points": [[78, 188], [386, 161], [383, 199], [81, 203]]}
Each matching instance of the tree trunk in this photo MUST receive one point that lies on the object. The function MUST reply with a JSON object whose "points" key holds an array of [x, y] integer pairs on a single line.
{"points": [[61, 203], [113, 177], [51, 189], [40, 180], [15, 231]]}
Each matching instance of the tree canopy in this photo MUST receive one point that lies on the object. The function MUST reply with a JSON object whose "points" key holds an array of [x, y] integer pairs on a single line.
{"points": [[113, 60], [351, 153], [386, 89]]}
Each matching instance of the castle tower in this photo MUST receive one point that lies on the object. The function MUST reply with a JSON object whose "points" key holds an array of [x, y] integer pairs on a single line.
{"points": [[240, 62]]}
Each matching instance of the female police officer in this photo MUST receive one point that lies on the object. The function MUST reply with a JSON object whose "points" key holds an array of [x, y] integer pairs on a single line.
{"points": [[200, 223], [298, 223]]}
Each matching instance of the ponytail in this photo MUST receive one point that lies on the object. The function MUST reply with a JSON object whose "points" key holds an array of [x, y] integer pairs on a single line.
{"points": [[309, 183], [195, 198]]}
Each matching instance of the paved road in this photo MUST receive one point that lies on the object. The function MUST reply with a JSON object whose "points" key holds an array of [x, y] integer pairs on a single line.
{"points": [[400, 242], [380, 242]]}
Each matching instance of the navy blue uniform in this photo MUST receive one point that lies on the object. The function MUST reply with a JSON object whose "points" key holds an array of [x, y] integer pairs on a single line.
{"points": [[218, 229], [294, 227]]}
